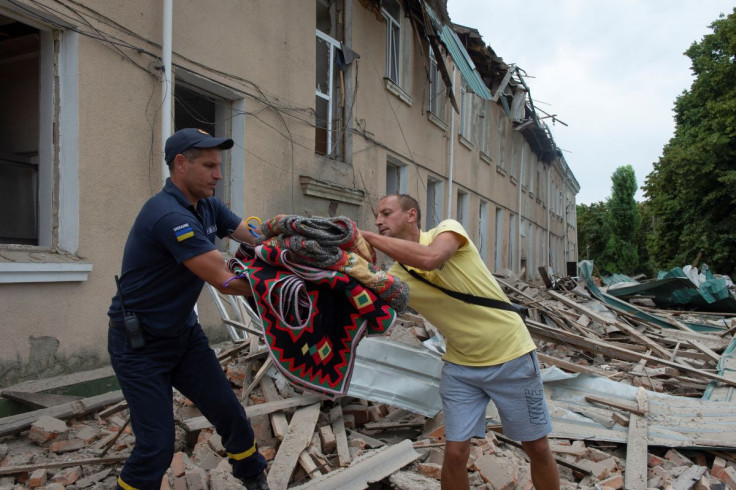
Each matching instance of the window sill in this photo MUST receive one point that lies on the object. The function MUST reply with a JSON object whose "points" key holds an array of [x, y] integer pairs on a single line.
{"points": [[331, 191], [399, 92], [434, 119], [465, 142], [486, 158], [501, 170], [514, 180], [30, 266]]}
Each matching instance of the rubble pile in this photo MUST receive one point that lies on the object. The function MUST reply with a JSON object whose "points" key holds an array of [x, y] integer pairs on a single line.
{"points": [[640, 398]]}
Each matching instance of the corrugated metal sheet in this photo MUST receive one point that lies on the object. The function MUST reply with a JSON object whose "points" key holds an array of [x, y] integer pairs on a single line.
{"points": [[397, 374], [460, 56], [463, 62], [672, 421]]}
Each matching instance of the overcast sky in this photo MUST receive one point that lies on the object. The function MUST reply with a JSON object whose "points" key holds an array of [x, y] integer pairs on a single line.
{"points": [[610, 70]]}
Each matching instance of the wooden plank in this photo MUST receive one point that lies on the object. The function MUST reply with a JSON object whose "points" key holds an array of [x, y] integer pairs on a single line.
{"points": [[279, 424], [655, 347], [199, 423], [39, 400], [629, 407], [341, 437], [635, 475], [604, 348], [572, 366], [20, 422], [27, 468], [705, 350], [296, 440], [308, 465], [256, 379], [374, 467]]}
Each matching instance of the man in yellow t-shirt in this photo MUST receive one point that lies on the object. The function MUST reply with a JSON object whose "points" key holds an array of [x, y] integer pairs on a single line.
{"points": [[490, 354]]}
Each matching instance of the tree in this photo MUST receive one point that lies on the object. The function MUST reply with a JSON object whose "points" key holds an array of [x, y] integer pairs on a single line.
{"points": [[692, 189], [620, 253], [592, 229]]}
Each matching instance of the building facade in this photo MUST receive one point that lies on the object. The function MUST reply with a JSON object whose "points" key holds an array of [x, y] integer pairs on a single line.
{"points": [[331, 107]]}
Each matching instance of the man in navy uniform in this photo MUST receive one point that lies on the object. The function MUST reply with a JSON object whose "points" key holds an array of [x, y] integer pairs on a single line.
{"points": [[154, 339]]}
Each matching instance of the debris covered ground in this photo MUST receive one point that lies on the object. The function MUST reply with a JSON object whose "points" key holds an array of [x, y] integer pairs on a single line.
{"points": [[640, 398]]}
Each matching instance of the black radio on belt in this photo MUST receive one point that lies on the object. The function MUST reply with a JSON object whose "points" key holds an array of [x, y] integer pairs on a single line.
{"points": [[132, 325]]}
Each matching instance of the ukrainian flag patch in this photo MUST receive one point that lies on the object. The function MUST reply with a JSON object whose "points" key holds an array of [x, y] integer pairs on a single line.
{"points": [[182, 232]]}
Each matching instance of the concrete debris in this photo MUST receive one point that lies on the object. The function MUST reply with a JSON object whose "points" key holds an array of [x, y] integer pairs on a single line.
{"points": [[365, 441]]}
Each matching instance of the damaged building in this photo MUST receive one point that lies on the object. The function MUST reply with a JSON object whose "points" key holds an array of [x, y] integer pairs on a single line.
{"points": [[330, 107]]}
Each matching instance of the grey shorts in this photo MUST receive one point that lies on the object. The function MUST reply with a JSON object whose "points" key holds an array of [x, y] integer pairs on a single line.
{"points": [[515, 388]]}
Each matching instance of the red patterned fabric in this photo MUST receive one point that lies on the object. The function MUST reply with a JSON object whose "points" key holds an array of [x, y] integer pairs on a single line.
{"points": [[312, 318]]}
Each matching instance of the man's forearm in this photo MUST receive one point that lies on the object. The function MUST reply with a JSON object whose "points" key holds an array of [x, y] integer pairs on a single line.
{"points": [[404, 251]]}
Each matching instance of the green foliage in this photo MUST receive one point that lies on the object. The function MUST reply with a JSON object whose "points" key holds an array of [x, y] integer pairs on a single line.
{"points": [[621, 254], [692, 189], [592, 229], [609, 232]]}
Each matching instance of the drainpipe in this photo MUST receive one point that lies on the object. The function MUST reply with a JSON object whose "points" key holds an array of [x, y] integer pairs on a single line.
{"points": [[349, 73], [518, 217], [452, 152], [549, 245], [167, 75]]}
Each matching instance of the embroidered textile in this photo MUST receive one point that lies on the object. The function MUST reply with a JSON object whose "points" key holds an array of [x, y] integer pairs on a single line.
{"points": [[312, 318], [334, 244]]}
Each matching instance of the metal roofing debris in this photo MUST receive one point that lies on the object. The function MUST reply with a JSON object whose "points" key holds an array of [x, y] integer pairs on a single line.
{"points": [[372, 468], [460, 56], [397, 374], [679, 288], [673, 421]]}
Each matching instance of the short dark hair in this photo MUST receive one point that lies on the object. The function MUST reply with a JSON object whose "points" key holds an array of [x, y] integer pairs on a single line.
{"points": [[190, 154], [407, 202]]}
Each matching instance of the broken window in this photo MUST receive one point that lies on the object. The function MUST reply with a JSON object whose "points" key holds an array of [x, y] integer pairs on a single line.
{"points": [[396, 177], [466, 112], [391, 11], [482, 229], [462, 208], [501, 130], [437, 92], [486, 121], [434, 202], [329, 91], [20, 169]]}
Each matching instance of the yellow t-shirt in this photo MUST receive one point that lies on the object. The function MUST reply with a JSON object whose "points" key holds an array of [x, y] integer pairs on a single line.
{"points": [[475, 335]]}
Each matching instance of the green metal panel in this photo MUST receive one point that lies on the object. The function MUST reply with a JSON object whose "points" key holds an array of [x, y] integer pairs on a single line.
{"points": [[463, 62]]}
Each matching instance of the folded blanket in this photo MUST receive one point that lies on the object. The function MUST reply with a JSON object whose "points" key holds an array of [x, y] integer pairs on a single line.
{"points": [[334, 244], [312, 318]]}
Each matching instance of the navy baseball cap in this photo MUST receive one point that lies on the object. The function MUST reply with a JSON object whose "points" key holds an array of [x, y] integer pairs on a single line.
{"points": [[187, 138]]}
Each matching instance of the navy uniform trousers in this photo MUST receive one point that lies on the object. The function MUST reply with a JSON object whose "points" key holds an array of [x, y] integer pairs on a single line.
{"points": [[146, 377]]}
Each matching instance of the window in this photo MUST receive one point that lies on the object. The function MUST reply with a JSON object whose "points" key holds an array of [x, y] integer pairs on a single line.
{"points": [[25, 175], [498, 251], [483, 229], [501, 130], [328, 137], [512, 242], [391, 11], [462, 208], [485, 128], [205, 104], [437, 95], [434, 203], [39, 194], [466, 112], [396, 177]]}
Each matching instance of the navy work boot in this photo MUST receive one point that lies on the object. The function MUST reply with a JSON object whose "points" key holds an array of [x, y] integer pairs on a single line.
{"points": [[256, 483]]}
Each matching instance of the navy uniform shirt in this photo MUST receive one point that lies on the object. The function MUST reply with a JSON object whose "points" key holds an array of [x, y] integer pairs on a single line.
{"points": [[155, 284]]}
